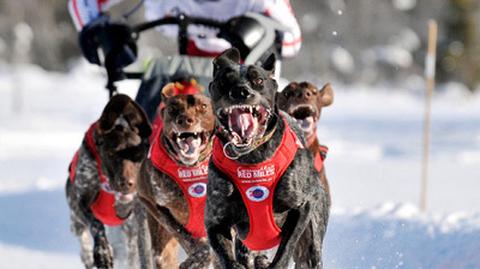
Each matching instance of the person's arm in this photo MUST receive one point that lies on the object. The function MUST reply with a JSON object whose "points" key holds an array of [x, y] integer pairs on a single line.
{"points": [[282, 11], [85, 11]]}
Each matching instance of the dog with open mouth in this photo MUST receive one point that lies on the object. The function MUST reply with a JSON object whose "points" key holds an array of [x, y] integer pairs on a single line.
{"points": [[304, 102], [263, 191], [173, 179], [101, 187]]}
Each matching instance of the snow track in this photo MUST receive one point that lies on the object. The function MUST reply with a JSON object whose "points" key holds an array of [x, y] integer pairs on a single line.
{"points": [[374, 137]]}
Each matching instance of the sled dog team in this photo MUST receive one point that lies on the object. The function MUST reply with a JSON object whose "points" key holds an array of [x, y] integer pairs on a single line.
{"points": [[235, 179]]}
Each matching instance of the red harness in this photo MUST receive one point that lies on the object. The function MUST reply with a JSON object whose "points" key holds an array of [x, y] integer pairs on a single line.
{"points": [[256, 183], [191, 179], [103, 208], [320, 155]]}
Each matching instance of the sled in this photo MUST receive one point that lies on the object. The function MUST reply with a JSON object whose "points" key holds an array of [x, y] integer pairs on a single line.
{"points": [[163, 68]]}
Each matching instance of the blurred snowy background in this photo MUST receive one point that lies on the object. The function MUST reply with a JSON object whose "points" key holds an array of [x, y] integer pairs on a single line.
{"points": [[368, 41], [371, 50]]}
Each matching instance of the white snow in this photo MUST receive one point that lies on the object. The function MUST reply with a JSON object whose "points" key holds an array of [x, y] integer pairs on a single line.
{"points": [[373, 166], [18, 257]]}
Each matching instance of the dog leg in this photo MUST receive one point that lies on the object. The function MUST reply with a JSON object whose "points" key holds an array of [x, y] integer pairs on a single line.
{"points": [[168, 257], [130, 229], [221, 242], [164, 246], [81, 231], [144, 238], [218, 221], [309, 248], [199, 259], [198, 251], [292, 230], [165, 218], [308, 252], [242, 253], [102, 252]]}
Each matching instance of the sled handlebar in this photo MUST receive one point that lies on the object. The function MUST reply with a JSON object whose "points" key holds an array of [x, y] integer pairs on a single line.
{"points": [[182, 21]]}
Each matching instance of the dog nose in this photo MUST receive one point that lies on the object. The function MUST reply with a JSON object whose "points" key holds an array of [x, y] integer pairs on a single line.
{"points": [[131, 184], [127, 185], [306, 95], [185, 120], [240, 94]]}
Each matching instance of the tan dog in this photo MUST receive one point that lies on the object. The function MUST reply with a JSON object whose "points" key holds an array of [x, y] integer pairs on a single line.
{"points": [[304, 102], [172, 182]]}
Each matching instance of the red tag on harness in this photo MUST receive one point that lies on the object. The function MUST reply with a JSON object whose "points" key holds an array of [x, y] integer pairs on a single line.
{"points": [[256, 183], [192, 180]]}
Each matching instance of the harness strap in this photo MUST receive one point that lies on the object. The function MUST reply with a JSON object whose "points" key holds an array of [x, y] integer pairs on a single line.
{"points": [[192, 180], [92, 147], [103, 208], [320, 157], [256, 184]]}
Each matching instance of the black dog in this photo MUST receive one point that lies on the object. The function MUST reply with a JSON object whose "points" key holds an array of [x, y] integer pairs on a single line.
{"points": [[261, 180]]}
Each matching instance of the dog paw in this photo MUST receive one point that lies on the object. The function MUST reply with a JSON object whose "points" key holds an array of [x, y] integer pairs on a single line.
{"points": [[102, 255], [261, 262], [200, 258]]}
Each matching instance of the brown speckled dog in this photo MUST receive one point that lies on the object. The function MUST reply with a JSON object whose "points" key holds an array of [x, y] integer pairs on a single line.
{"points": [[102, 181], [304, 102], [172, 182], [261, 181]]}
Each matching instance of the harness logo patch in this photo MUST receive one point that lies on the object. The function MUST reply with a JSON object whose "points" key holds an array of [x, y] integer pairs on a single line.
{"points": [[193, 173], [257, 193], [262, 172], [198, 189]]}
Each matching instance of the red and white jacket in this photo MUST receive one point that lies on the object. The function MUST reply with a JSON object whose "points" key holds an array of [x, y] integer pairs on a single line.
{"points": [[203, 39]]}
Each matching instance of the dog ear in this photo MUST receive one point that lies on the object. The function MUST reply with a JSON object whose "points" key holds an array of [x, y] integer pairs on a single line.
{"points": [[233, 54], [325, 97], [145, 127], [111, 112], [229, 56], [280, 97], [168, 91], [115, 108], [269, 64]]}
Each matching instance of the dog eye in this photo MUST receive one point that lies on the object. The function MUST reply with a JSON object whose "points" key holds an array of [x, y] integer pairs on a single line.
{"points": [[170, 110], [202, 108], [258, 81], [287, 94]]}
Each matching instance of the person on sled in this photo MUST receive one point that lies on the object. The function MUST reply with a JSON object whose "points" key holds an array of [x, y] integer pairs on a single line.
{"points": [[98, 32], [89, 18]]}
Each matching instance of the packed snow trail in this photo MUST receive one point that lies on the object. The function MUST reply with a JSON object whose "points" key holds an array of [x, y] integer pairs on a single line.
{"points": [[374, 137]]}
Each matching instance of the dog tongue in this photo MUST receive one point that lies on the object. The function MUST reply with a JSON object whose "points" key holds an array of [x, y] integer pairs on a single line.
{"points": [[190, 145], [242, 124], [306, 124]]}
